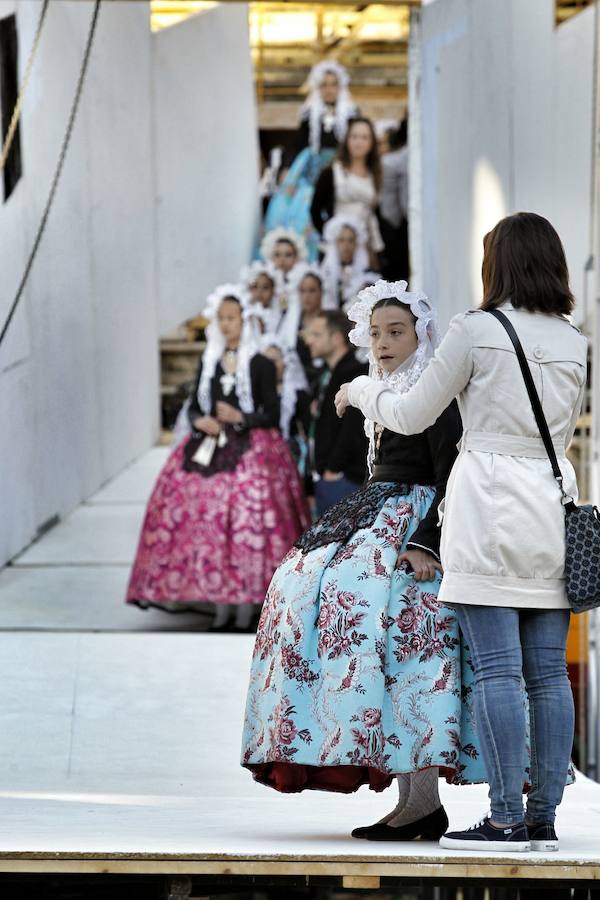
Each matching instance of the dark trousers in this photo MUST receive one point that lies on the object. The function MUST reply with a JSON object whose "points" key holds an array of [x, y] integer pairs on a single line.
{"points": [[329, 492]]}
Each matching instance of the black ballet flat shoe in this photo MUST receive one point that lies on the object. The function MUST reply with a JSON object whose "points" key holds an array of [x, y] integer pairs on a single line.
{"points": [[429, 828]]}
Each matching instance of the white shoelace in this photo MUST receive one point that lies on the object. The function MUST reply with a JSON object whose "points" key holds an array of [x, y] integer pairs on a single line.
{"points": [[478, 824]]}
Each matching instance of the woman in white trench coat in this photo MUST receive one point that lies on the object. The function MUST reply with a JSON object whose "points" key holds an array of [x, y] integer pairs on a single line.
{"points": [[503, 536]]}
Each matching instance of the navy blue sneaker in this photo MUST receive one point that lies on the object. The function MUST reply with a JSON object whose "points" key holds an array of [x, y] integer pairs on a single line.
{"points": [[543, 837], [484, 836]]}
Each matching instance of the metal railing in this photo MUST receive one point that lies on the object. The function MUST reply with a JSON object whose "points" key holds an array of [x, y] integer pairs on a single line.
{"points": [[593, 697]]}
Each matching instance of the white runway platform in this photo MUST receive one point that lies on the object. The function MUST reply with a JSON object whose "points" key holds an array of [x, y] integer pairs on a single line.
{"points": [[119, 751]]}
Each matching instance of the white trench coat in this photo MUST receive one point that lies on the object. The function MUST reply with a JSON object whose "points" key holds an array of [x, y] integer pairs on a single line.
{"points": [[503, 533]]}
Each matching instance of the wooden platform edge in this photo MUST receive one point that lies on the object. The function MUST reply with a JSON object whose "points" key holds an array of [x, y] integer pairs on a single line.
{"points": [[543, 870]]}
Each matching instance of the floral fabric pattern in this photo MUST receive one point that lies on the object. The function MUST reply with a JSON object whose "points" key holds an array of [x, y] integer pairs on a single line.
{"points": [[358, 672], [219, 539], [290, 204]]}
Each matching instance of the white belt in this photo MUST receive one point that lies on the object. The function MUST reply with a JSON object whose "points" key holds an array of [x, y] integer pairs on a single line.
{"points": [[508, 444]]}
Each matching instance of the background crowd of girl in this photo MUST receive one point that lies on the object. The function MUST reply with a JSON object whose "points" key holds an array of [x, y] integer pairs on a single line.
{"points": [[236, 489]]}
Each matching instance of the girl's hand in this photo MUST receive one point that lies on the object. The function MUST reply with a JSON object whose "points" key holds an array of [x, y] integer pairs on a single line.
{"points": [[423, 564], [228, 414], [208, 425], [341, 400]]}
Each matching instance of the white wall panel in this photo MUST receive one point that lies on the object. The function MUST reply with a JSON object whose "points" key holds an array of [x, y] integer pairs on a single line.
{"points": [[206, 157], [504, 106]]}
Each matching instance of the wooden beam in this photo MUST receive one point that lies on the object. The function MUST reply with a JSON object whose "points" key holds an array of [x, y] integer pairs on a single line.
{"points": [[361, 882], [435, 867]]}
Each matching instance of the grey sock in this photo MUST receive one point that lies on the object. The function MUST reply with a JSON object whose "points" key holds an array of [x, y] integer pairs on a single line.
{"points": [[403, 782], [244, 613], [222, 615], [423, 798]]}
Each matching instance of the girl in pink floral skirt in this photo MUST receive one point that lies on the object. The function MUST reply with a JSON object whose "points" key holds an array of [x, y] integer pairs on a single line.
{"points": [[228, 503]]}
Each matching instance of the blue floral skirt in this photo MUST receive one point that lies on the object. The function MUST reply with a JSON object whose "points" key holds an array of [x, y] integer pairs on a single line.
{"points": [[358, 672], [290, 205]]}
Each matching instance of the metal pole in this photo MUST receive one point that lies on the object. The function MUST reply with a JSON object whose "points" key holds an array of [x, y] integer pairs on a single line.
{"points": [[594, 310], [593, 328]]}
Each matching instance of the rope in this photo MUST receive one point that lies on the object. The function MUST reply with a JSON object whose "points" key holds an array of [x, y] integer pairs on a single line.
{"points": [[57, 173], [12, 128]]}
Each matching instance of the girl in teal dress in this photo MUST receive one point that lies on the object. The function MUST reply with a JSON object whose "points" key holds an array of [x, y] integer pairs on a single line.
{"points": [[323, 123], [358, 673]]}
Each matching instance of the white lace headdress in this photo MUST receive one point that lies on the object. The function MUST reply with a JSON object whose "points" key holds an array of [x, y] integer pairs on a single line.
{"points": [[428, 336], [331, 265], [314, 108], [270, 316], [361, 281], [215, 347], [249, 274], [272, 237], [316, 271], [294, 380], [289, 325]]}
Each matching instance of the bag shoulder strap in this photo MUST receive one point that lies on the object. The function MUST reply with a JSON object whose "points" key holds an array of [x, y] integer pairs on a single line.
{"points": [[534, 397]]}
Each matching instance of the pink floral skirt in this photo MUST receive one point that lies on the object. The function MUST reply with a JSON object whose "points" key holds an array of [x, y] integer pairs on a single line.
{"points": [[219, 539]]}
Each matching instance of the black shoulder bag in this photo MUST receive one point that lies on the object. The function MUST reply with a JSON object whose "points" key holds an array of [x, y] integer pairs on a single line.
{"points": [[582, 523]]}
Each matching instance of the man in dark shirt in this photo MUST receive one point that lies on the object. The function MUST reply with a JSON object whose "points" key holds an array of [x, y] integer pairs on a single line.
{"points": [[339, 445]]}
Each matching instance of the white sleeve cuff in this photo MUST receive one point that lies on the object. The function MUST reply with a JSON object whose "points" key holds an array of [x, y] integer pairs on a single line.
{"points": [[356, 386]]}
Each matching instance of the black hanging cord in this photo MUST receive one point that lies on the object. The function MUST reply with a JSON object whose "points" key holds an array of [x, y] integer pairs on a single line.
{"points": [[14, 119], [58, 170]]}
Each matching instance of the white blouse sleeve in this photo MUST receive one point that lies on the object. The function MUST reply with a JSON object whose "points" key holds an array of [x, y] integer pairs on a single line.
{"points": [[444, 378]]}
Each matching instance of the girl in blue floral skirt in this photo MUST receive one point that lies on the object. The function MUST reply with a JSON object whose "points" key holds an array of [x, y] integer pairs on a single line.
{"points": [[358, 673]]}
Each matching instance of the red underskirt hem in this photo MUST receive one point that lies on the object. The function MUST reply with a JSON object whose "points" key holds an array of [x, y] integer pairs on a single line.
{"points": [[291, 778]]}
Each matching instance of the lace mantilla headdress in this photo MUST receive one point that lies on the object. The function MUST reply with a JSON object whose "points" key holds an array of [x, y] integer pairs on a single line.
{"points": [[361, 281], [428, 335], [333, 271], [315, 110], [249, 274], [327, 302], [271, 238], [289, 325], [294, 380], [270, 316], [215, 347]]}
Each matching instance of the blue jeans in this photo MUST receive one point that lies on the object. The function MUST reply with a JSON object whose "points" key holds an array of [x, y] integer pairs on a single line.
{"points": [[509, 644], [329, 492]]}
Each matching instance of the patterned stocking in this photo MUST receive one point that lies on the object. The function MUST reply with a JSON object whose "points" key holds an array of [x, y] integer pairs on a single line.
{"points": [[423, 798], [403, 782]]}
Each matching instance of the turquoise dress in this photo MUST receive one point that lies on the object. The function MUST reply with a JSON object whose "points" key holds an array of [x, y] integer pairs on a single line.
{"points": [[290, 205], [358, 672]]}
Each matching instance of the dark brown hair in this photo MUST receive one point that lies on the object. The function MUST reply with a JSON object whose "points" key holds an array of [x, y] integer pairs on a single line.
{"points": [[393, 301], [337, 321], [524, 262], [284, 240], [373, 160]]}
